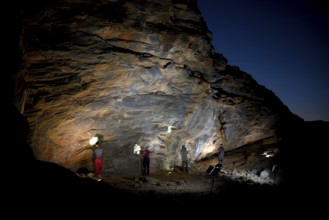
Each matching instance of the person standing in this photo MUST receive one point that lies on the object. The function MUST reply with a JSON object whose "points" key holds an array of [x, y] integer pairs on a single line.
{"points": [[221, 152], [146, 161], [184, 157], [98, 161]]}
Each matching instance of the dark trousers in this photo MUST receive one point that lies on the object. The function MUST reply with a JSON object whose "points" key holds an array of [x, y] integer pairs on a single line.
{"points": [[146, 166], [185, 166]]}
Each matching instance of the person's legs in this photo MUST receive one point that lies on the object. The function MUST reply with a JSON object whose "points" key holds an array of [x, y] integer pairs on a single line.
{"points": [[98, 167], [221, 159], [185, 166], [148, 168], [146, 165]]}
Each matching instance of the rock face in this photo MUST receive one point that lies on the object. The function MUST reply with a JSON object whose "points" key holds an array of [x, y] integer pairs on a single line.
{"points": [[137, 72]]}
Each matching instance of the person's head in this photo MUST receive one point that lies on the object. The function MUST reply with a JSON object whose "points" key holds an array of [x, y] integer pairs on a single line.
{"points": [[97, 144], [183, 146]]}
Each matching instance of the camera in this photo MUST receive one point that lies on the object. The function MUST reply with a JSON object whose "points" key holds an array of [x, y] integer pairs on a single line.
{"points": [[213, 171]]}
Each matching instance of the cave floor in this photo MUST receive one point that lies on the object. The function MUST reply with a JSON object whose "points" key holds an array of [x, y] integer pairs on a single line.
{"points": [[169, 183]]}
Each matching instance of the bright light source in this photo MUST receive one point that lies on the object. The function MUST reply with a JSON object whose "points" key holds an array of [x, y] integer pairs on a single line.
{"points": [[137, 149], [169, 129], [93, 140], [268, 154]]}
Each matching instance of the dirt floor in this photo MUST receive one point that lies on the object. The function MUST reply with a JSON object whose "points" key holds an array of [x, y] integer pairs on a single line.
{"points": [[193, 192], [169, 183]]}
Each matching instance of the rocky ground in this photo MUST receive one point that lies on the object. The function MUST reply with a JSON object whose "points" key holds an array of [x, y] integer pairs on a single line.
{"points": [[194, 182], [230, 189], [56, 190], [169, 183]]}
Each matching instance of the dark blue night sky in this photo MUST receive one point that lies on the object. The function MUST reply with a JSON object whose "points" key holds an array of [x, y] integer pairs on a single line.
{"points": [[283, 44]]}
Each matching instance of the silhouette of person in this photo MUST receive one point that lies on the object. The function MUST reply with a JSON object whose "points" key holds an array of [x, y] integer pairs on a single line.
{"points": [[184, 157], [146, 161], [221, 152], [98, 160]]}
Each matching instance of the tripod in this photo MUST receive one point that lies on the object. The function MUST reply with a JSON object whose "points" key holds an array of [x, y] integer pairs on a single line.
{"points": [[213, 173], [212, 182], [275, 169]]}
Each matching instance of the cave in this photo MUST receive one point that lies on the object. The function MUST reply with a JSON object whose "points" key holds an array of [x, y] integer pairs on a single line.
{"points": [[119, 72]]}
